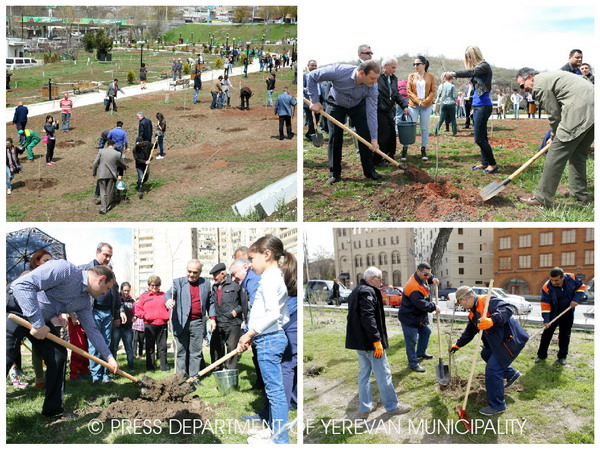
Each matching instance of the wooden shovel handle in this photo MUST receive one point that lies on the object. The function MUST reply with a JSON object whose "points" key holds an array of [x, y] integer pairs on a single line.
{"points": [[71, 347], [218, 362], [357, 136], [479, 338], [151, 152], [551, 322], [529, 162], [437, 303]]}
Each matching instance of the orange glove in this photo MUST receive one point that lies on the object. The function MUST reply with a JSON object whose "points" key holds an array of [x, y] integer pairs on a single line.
{"points": [[378, 349], [486, 323], [454, 348]]}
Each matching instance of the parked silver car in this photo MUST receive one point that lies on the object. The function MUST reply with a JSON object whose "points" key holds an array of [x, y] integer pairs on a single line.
{"points": [[319, 291], [518, 304]]}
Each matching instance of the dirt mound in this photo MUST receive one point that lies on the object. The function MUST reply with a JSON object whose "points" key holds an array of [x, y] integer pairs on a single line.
{"points": [[233, 130], [197, 116], [219, 164], [416, 174], [69, 144], [170, 389], [458, 386], [163, 411], [40, 183], [190, 166], [313, 371]]}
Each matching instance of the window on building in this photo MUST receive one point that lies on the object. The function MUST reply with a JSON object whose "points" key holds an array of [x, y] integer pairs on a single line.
{"points": [[546, 238], [505, 263], [480, 247], [371, 242], [480, 271], [342, 246], [568, 236], [525, 262], [589, 257], [546, 260], [567, 259], [589, 234], [480, 260], [384, 241], [461, 259], [460, 231], [461, 271], [379, 241], [461, 246], [524, 240], [505, 243], [344, 231]]}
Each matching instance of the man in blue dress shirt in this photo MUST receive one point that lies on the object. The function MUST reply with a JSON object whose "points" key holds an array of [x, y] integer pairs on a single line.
{"points": [[285, 105], [54, 288], [353, 94]]}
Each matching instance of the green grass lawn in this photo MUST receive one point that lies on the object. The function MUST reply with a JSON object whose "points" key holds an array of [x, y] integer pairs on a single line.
{"points": [[25, 424], [556, 402], [244, 33]]}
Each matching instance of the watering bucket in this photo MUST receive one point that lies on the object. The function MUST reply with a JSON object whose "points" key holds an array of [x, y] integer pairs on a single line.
{"points": [[407, 130], [227, 380]]}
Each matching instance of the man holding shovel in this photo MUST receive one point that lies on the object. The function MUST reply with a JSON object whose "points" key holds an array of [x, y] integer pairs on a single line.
{"points": [[367, 334], [569, 101], [503, 340], [561, 292], [142, 153], [353, 94], [57, 287]]}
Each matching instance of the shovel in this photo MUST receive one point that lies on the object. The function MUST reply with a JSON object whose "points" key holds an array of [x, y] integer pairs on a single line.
{"points": [[217, 363], [75, 349], [317, 138], [357, 136], [462, 409], [494, 188], [551, 322], [442, 372]]}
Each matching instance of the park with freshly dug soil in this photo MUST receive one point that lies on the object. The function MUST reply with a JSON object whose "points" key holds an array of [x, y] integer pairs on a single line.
{"points": [[549, 404], [444, 188], [214, 158]]}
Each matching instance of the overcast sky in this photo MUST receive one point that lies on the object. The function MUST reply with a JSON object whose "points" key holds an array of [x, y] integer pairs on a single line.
{"points": [[509, 34]]}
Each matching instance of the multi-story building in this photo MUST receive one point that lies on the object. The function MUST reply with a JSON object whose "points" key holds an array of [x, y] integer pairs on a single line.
{"points": [[467, 260], [525, 256], [385, 248]]}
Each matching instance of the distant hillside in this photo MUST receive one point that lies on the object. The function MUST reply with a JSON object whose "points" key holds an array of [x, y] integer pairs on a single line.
{"points": [[245, 33], [503, 78]]}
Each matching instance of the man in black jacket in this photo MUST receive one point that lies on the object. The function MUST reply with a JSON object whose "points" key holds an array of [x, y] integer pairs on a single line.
{"points": [[503, 340], [228, 308], [145, 128], [388, 98], [367, 334], [141, 154]]}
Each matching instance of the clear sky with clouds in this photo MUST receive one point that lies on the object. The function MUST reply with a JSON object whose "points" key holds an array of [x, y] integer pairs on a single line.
{"points": [[509, 34], [81, 242]]}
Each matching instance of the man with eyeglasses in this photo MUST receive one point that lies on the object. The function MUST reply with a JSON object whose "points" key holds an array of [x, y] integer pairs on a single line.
{"points": [[569, 101], [503, 340], [353, 94], [364, 53], [189, 298], [367, 334], [413, 315]]}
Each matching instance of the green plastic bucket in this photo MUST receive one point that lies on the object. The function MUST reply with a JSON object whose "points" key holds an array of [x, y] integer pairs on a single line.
{"points": [[227, 380], [407, 131]]}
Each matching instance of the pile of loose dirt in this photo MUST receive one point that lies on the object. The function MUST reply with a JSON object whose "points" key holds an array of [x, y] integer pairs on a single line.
{"points": [[197, 116], [234, 130], [69, 144], [219, 164], [417, 174], [170, 389], [40, 183], [152, 410], [313, 371], [457, 387]]}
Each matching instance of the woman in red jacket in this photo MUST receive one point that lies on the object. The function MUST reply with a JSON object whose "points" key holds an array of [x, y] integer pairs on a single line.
{"points": [[151, 308]]}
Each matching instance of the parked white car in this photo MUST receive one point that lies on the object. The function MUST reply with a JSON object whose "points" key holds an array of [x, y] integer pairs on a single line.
{"points": [[320, 290], [518, 304]]}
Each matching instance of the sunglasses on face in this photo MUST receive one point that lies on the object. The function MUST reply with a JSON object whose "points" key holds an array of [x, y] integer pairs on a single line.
{"points": [[366, 53]]}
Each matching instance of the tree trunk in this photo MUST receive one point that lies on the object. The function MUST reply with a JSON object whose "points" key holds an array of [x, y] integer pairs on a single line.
{"points": [[441, 241]]}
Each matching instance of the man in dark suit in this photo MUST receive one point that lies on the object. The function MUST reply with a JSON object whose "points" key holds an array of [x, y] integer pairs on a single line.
{"points": [[145, 128], [189, 298], [106, 167]]}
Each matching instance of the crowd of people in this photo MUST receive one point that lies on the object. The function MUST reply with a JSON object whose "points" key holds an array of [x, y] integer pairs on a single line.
{"points": [[251, 304], [376, 102], [503, 336]]}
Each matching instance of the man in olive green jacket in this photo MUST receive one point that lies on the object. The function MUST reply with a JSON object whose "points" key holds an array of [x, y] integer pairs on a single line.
{"points": [[569, 101]]}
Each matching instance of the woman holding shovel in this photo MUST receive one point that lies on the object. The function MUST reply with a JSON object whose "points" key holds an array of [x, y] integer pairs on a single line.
{"points": [[480, 73], [265, 327], [503, 340]]}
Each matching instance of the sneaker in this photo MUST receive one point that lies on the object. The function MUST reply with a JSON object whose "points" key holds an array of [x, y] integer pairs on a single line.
{"points": [[365, 415], [263, 433], [8, 191], [401, 409], [160, 157], [425, 356], [489, 411], [512, 380], [259, 441]]}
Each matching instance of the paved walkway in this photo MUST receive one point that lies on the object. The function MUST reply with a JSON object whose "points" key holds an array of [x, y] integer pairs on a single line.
{"points": [[38, 109]]}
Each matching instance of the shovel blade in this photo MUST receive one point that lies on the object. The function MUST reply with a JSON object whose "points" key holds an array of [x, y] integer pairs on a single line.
{"points": [[491, 190], [442, 374], [317, 139]]}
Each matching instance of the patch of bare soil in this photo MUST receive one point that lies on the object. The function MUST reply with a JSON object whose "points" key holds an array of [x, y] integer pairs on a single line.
{"points": [[170, 389], [40, 183], [197, 116], [219, 164], [234, 130], [69, 144], [313, 371]]}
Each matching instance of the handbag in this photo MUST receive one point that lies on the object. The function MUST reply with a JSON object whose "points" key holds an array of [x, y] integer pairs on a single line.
{"points": [[106, 102], [45, 140]]}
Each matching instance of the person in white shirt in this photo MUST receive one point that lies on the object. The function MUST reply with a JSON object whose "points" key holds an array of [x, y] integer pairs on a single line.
{"points": [[516, 98]]}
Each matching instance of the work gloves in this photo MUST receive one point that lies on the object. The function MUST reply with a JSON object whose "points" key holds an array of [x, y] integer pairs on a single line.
{"points": [[378, 349], [486, 323], [454, 348]]}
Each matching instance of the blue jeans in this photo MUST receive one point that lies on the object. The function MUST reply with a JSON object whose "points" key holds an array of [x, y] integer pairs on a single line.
{"points": [[104, 324], [410, 338], [495, 374], [160, 145], [424, 114], [269, 97], [66, 120], [215, 95], [140, 174], [367, 364], [516, 110], [481, 114], [21, 126], [289, 365], [101, 142], [196, 92], [127, 335], [269, 349], [9, 176]]}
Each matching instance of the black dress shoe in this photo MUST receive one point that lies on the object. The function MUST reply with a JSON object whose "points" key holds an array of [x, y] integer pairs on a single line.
{"points": [[374, 176], [539, 360], [562, 361], [425, 356], [418, 368]]}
